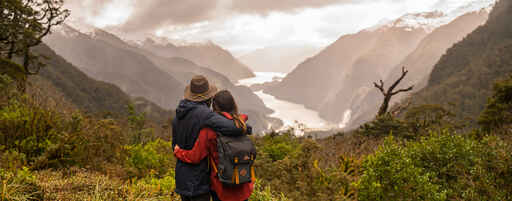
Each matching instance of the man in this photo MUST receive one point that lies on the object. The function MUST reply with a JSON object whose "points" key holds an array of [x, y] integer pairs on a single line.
{"points": [[193, 114]]}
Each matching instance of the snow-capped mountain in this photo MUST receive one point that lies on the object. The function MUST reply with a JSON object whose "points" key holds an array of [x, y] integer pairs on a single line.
{"points": [[73, 29], [420, 63], [344, 70], [432, 20]]}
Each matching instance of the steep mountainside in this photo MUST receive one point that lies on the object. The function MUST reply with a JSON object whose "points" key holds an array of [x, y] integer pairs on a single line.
{"points": [[87, 94], [248, 102], [278, 58], [343, 68], [392, 46], [185, 70], [340, 77], [179, 70], [419, 63], [312, 81], [464, 76], [208, 55], [132, 72]]}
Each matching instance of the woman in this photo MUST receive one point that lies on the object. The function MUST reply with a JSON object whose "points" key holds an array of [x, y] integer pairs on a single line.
{"points": [[206, 146]]}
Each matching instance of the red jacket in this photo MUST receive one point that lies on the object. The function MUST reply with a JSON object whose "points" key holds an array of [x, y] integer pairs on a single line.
{"points": [[206, 146]]}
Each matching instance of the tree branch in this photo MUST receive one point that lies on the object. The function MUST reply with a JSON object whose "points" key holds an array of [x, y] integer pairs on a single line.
{"points": [[403, 90], [380, 87], [404, 73]]}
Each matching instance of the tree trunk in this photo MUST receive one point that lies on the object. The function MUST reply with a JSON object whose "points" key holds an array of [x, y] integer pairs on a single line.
{"points": [[11, 51], [385, 105]]}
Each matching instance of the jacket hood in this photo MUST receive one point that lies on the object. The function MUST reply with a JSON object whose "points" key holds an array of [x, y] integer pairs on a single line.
{"points": [[186, 107]]}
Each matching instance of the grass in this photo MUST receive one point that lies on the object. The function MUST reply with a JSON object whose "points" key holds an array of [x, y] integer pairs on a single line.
{"points": [[82, 185]]}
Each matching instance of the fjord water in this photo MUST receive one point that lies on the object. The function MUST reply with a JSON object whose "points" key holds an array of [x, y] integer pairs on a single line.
{"points": [[262, 77], [291, 114]]}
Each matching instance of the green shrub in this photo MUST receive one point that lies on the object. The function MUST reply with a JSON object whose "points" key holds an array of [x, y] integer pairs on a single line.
{"points": [[7, 89], [299, 172], [139, 133], [418, 121], [97, 142], [440, 167], [153, 158], [424, 119], [385, 125], [12, 160], [35, 132], [152, 187], [277, 147], [497, 116], [265, 194], [47, 138]]}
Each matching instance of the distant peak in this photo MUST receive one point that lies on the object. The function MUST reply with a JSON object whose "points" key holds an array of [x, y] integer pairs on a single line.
{"points": [[474, 6], [207, 43], [152, 39], [429, 21]]}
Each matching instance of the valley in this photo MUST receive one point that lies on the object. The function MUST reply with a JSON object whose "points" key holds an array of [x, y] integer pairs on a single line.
{"points": [[293, 115], [345, 100]]}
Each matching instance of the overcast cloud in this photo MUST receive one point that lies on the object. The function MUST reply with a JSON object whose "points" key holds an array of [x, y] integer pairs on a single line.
{"points": [[245, 25]]}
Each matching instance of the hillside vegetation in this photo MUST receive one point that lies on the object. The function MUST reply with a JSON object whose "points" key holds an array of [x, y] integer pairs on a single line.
{"points": [[346, 69], [420, 63], [49, 151], [149, 71], [66, 155], [464, 76], [135, 74]]}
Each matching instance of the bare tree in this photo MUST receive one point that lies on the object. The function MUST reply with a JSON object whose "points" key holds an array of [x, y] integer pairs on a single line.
{"points": [[390, 92]]}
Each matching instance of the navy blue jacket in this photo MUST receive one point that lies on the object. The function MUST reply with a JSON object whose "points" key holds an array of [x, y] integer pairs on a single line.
{"points": [[191, 117]]}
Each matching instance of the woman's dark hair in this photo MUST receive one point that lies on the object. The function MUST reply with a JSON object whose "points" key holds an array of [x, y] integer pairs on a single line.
{"points": [[223, 101]]}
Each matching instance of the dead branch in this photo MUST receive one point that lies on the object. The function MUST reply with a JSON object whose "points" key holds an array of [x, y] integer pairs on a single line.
{"points": [[390, 92]]}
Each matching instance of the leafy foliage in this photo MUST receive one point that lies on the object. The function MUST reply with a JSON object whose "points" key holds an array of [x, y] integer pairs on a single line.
{"points": [[497, 115], [441, 167], [425, 118], [465, 74], [385, 125], [153, 158], [417, 121], [265, 194], [33, 132], [25, 23], [291, 165], [137, 124]]}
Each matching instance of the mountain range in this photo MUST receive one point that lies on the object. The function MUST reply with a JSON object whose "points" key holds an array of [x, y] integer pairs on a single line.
{"points": [[463, 78], [133, 73], [207, 54], [73, 89], [420, 62], [146, 72], [340, 77]]}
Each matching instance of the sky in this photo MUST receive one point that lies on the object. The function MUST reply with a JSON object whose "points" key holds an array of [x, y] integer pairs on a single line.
{"points": [[242, 26]]}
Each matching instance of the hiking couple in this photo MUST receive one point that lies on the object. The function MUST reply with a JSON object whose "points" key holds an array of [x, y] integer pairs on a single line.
{"points": [[215, 155]]}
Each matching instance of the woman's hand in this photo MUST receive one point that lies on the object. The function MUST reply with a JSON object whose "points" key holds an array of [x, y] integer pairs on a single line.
{"points": [[176, 148]]}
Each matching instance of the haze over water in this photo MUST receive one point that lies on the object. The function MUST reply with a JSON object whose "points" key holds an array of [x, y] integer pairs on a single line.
{"points": [[290, 113]]}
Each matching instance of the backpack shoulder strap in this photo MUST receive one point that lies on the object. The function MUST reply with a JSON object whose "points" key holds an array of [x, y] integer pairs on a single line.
{"points": [[212, 162]]}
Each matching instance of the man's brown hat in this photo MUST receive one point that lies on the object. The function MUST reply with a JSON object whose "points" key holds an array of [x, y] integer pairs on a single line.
{"points": [[199, 89]]}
